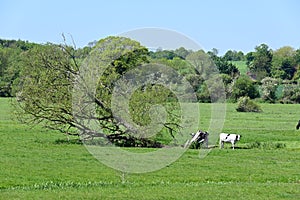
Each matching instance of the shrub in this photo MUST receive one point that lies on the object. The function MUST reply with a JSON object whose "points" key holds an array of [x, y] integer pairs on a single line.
{"points": [[245, 104]]}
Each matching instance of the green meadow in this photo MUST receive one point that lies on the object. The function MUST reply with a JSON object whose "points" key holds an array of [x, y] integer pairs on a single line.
{"points": [[241, 65], [40, 164]]}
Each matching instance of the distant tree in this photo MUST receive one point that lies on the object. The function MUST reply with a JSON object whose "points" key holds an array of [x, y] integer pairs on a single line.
{"points": [[240, 56], [207, 73], [202, 62], [232, 55], [297, 56], [297, 60], [178, 64], [244, 86], [215, 51], [284, 63], [211, 90], [269, 87], [261, 63], [249, 58], [225, 67], [291, 93], [228, 83], [11, 52], [167, 54], [182, 52], [9, 69]]}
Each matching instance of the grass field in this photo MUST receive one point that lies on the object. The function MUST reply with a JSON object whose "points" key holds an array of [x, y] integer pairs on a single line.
{"points": [[241, 65], [35, 164]]}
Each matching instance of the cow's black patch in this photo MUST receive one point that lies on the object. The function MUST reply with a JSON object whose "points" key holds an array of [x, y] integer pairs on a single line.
{"points": [[298, 125], [227, 136]]}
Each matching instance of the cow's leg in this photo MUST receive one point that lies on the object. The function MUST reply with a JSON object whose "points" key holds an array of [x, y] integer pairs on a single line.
{"points": [[197, 145], [232, 143], [221, 144]]}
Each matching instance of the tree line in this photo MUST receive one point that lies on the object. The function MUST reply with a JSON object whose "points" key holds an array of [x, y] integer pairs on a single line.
{"points": [[267, 69]]}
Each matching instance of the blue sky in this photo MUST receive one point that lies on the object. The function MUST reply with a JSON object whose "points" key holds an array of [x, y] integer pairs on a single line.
{"points": [[230, 24]]}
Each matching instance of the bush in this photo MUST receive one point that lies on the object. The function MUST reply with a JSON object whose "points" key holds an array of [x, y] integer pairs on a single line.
{"points": [[245, 104]]}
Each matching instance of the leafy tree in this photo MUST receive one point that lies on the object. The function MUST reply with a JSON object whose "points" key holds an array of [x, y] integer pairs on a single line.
{"points": [[9, 69], [214, 52], [168, 54], [232, 55], [226, 67], [249, 58], [11, 52], [284, 63], [182, 52], [222, 64], [291, 93], [269, 87], [49, 97], [297, 60], [244, 86], [228, 84], [203, 63], [45, 85], [261, 62]]}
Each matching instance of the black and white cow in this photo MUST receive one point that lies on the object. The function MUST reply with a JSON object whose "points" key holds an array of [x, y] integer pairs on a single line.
{"points": [[298, 125], [198, 138], [228, 138]]}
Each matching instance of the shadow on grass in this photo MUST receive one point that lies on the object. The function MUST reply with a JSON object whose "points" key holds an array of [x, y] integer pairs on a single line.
{"points": [[70, 141]]}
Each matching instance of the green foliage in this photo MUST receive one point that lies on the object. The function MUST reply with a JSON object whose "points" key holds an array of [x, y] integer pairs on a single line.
{"points": [[9, 69], [212, 90], [245, 104], [284, 63], [244, 86], [54, 91], [182, 52], [17, 44], [11, 53], [291, 93], [232, 55], [269, 87], [179, 65], [260, 61], [249, 58], [163, 54], [224, 66], [45, 86]]}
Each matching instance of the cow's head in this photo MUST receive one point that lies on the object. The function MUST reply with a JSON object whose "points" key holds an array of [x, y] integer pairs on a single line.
{"points": [[238, 137]]}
